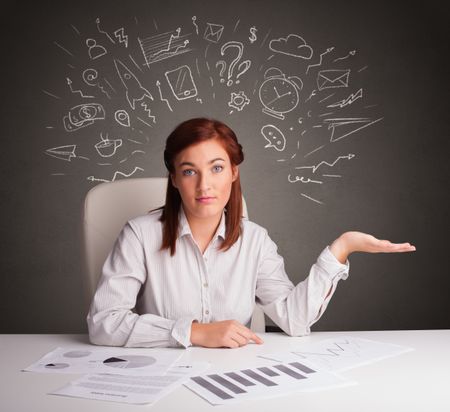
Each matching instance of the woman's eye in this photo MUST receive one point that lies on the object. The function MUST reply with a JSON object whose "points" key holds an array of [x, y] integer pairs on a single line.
{"points": [[188, 172], [217, 168]]}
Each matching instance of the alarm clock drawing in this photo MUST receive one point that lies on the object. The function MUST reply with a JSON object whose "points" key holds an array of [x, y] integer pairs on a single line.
{"points": [[278, 93]]}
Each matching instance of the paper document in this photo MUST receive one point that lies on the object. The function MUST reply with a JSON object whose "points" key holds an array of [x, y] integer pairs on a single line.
{"points": [[265, 381], [340, 354], [118, 360], [131, 389]]}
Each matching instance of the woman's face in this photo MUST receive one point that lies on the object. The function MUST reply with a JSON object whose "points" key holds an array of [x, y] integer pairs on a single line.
{"points": [[203, 176]]}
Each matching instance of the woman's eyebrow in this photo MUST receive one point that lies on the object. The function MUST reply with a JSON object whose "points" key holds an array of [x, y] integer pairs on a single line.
{"points": [[192, 164]]}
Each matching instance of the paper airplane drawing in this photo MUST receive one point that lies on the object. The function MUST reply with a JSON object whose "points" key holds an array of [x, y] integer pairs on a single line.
{"points": [[344, 127], [62, 152]]}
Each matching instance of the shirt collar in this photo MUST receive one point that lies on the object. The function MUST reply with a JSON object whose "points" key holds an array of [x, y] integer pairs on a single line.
{"points": [[185, 229]]}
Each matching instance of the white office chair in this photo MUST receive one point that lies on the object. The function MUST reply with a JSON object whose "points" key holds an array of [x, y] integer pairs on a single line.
{"points": [[107, 207]]}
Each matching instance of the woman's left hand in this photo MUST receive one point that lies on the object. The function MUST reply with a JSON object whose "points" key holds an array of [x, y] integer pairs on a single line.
{"points": [[350, 242]]}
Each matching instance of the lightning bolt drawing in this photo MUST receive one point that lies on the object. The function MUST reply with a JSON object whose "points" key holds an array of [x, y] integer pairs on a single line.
{"points": [[349, 100], [123, 38], [147, 109], [314, 168], [158, 84]]}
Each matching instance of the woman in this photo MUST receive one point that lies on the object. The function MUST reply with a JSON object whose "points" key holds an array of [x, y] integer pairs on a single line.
{"points": [[190, 272]]}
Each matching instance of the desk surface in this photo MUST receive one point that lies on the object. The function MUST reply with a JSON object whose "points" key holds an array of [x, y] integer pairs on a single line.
{"points": [[414, 381]]}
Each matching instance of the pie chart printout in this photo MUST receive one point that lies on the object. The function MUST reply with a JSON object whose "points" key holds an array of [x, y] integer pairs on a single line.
{"points": [[57, 365], [129, 361], [77, 354]]}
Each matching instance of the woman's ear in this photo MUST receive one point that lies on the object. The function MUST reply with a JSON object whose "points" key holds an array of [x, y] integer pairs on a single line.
{"points": [[235, 172]]}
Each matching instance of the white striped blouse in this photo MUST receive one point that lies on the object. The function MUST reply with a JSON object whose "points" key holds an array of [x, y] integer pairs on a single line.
{"points": [[146, 298]]}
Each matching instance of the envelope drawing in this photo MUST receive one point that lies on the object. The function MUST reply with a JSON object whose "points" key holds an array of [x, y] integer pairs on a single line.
{"points": [[213, 32], [329, 79]]}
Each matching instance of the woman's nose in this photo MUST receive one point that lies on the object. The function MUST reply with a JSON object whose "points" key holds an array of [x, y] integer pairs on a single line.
{"points": [[203, 182]]}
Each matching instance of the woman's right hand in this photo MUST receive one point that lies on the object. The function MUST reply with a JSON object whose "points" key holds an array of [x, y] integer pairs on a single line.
{"points": [[226, 333]]}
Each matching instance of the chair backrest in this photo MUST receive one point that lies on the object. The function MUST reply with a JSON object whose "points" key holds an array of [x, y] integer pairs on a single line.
{"points": [[107, 207]]}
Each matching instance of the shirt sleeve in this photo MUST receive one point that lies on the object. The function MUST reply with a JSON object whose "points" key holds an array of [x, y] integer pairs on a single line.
{"points": [[112, 320], [295, 308]]}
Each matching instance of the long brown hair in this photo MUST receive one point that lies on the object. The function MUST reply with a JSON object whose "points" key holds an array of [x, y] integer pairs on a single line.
{"points": [[188, 133]]}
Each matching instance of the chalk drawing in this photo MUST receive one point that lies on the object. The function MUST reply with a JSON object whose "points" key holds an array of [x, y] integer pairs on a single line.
{"points": [[238, 101], [115, 176], [351, 53], [329, 50], [69, 83], [242, 67], [343, 127], [121, 36], [181, 82], [134, 89], [158, 85], [349, 100], [292, 45], [90, 77], [107, 147], [213, 32], [164, 46], [95, 50], [274, 136], [253, 36], [323, 163], [83, 115], [278, 93], [97, 21], [329, 79], [62, 152]]}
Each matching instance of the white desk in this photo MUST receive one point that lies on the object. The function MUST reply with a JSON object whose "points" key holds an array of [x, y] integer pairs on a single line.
{"points": [[414, 381]]}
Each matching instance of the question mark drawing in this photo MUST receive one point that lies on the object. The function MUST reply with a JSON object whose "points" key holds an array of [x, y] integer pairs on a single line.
{"points": [[90, 77], [222, 70], [245, 64]]}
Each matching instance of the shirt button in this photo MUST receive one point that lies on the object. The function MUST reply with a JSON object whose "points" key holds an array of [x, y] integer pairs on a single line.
{"points": [[207, 312], [205, 285]]}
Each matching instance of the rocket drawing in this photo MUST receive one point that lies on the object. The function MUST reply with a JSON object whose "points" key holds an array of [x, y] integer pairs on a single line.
{"points": [[135, 91]]}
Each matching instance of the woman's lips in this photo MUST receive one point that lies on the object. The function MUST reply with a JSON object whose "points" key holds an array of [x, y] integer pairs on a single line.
{"points": [[205, 199]]}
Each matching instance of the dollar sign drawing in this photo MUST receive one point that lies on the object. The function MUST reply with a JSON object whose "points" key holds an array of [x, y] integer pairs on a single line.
{"points": [[253, 31], [87, 112]]}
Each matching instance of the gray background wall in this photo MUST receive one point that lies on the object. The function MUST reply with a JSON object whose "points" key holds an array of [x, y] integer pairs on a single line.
{"points": [[395, 187]]}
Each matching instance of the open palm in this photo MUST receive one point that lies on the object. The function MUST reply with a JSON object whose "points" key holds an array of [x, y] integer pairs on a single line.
{"points": [[353, 241], [363, 242]]}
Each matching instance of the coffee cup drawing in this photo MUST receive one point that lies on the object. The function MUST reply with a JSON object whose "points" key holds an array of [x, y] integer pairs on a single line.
{"points": [[107, 147]]}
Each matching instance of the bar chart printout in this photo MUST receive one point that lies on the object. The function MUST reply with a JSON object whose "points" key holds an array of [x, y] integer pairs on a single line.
{"points": [[263, 382]]}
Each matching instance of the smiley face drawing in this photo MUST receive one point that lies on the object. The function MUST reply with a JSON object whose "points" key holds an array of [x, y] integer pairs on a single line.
{"points": [[274, 136]]}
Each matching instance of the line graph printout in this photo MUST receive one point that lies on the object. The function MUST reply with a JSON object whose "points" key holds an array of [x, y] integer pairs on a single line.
{"points": [[113, 361], [340, 354], [266, 381]]}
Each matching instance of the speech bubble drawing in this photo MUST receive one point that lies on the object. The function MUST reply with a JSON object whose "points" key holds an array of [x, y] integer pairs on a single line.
{"points": [[274, 136]]}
